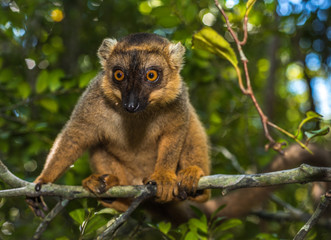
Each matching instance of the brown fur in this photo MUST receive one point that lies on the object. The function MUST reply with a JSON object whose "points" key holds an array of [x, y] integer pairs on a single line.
{"points": [[164, 142]]}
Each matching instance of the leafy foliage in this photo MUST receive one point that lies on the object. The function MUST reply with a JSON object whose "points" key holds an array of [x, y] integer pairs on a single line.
{"points": [[48, 56], [209, 40], [201, 228]]}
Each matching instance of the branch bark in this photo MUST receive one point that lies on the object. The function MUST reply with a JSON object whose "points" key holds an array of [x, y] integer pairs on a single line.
{"points": [[124, 216], [50, 216], [303, 174], [325, 200]]}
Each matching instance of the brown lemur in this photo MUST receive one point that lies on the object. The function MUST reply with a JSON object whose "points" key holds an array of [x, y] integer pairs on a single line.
{"points": [[137, 122]]}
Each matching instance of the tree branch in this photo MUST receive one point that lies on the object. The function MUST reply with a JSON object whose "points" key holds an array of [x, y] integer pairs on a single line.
{"points": [[124, 216], [49, 217], [303, 174], [325, 200], [9, 178]]}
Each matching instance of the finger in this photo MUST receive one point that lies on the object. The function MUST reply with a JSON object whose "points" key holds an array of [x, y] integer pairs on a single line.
{"points": [[181, 192], [42, 203], [102, 185], [167, 193], [176, 190], [37, 211], [40, 213], [159, 191], [195, 186], [30, 201], [182, 195]]}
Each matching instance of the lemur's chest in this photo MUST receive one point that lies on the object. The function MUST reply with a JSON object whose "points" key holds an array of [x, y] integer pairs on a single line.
{"points": [[132, 135]]}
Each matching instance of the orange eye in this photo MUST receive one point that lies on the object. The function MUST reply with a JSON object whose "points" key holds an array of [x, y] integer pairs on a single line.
{"points": [[119, 75], [152, 75]]}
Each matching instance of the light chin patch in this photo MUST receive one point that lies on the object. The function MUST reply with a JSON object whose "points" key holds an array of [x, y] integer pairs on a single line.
{"points": [[111, 93], [163, 96], [168, 93], [156, 96]]}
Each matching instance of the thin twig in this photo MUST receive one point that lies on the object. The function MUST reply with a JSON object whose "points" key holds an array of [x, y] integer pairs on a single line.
{"points": [[292, 210], [49, 217], [281, 216], [231, 157], [290, 135], [124, 216], [325, 200], [243, 42], [248, 90]]}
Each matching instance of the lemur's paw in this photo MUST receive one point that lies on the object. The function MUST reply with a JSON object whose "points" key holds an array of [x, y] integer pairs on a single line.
{"points": [[166, 182], [100, 183], [188, 180]]}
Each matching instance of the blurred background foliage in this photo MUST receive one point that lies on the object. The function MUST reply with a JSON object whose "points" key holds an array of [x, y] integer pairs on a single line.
{"points": [[48, 56]]}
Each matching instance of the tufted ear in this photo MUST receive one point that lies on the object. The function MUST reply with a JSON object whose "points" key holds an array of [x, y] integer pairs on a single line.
{"points": [[105, 49], [176, 52]]}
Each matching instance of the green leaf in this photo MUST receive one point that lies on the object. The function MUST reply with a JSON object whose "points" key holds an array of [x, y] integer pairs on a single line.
{"points": [[204, 219], [197, 211], [266, 236], [161, 12], [169, 21], [85, 78], [190, 12], [217, 211], [96, 222], [164, 227], [42, 81], [62, 238], [216, 223], [49, 104], [226, 236], [209, 40], [182, 229], [111, 211], [310, 116], [231, 223], [249, 6], [198, 224], [6, 75], [78, 215], [316, 133], [54, 79], [191, 236], [24, 90], [144, 8]]}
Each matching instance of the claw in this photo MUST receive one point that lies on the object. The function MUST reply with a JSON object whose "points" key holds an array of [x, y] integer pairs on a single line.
{"points": [[151, 183], [182, 195], [37, 205], [38, 187]]}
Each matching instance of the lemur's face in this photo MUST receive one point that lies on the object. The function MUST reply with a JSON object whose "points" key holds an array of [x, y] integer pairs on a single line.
{"points": [[142, 70]]}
